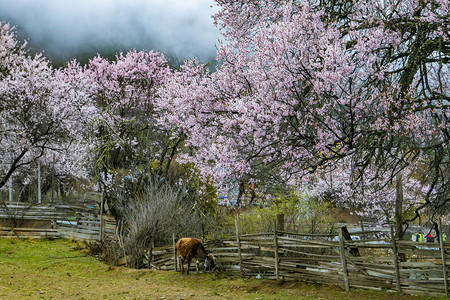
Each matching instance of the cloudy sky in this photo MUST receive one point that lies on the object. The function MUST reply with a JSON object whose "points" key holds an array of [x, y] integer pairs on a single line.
{"points": [[66, 29]]}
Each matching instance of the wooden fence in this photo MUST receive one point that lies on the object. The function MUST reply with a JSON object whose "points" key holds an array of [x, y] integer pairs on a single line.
{"points": [[289, 256], [375, 262], [54, 221]]}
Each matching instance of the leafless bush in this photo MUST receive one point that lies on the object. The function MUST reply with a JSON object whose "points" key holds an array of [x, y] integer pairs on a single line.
{"points": [[152, 219], [111, 252]]}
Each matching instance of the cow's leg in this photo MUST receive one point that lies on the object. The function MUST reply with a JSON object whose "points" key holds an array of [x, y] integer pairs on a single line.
{"points": [[180, 263], [188, 266], [197, 265], [206, 265]]}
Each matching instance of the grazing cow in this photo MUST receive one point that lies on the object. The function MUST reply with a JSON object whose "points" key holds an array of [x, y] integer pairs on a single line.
{"points": [[192, 249]]}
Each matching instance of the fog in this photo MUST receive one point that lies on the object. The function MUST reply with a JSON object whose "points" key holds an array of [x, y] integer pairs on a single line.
{"points": [[66, 29]]}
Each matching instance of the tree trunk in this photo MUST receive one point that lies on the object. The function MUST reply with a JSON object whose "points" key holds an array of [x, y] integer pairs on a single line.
{"points": [[399, 234], [438, 232], [346, 235], [280, 222], [240, 193]]}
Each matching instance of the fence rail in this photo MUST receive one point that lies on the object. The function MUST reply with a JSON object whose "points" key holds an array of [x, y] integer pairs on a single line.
{"points": [[54, 221], [421, 268]]}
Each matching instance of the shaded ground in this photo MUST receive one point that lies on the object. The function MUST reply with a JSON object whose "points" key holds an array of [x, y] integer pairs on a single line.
{"points": [[46, 269]]}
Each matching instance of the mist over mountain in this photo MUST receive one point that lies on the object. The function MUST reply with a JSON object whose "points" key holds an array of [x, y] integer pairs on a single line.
{"points": [[80, 29]]}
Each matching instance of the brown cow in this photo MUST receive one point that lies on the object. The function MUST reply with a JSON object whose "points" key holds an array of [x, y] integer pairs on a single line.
{"points": [[192, 249]]}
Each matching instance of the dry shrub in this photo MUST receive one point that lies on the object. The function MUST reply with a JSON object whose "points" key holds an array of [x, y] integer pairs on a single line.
{"points": [[111, 252], [89, 248], [151, 221]]}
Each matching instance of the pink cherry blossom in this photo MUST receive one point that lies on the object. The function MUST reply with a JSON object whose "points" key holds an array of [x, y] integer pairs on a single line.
{"points": [[303, 84]]}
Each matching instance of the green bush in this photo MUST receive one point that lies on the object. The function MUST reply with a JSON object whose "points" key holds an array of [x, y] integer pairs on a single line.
{"points": [[300, 212]]}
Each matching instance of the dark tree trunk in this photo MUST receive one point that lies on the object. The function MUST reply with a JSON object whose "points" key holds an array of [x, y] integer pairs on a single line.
{"points": [[240, 193], [438, 233], [399, 233], [280, 222], [346, 235]]}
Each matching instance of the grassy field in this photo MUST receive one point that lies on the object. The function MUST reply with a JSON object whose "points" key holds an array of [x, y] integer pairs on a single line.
{"points": [[58, 269]]}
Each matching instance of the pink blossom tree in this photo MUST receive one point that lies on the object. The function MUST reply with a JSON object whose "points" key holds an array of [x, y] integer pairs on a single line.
{"points": [[40, 113], [304, 84], [124, 91], [127, 140]]}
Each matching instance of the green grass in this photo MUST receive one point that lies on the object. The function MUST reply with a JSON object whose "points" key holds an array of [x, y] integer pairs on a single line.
{"points": [[58, 269]]}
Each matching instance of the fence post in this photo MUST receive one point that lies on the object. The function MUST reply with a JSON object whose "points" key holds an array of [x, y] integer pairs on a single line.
{"points": [[444, 263], [275, 241], [236, 221], [343, 260], [394, 251], [174, 253]]}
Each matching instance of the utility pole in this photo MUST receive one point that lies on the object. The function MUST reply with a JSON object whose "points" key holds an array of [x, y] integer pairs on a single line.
{"points": [[11, 160], [10, 190], [53, 176], [39, 183]]}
